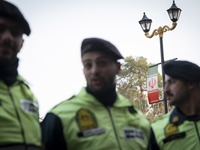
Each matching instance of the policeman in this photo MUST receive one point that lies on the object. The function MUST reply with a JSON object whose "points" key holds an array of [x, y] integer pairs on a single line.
{"points": [[19, 118], [179, 129], [98, 117]]}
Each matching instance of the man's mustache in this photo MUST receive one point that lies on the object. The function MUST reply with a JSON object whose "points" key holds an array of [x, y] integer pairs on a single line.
{"points": [[6, 44], [169, 94]]}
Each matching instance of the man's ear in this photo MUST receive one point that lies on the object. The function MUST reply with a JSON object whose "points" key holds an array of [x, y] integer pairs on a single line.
{"points": [[21, 45], [192, 85]]}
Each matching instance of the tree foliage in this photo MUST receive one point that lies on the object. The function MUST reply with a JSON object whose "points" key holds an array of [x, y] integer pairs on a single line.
{"points": [[131, 82]]}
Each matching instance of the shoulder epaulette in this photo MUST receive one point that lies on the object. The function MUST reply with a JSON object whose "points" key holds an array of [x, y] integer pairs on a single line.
{"points": [[132, 110], [71, 97], [64, 101], [23, 81]]}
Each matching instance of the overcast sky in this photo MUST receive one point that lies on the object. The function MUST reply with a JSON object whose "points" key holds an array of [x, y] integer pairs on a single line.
{"points": [[50, 58]]}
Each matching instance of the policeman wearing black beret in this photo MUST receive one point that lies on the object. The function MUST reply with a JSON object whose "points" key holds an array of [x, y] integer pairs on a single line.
{"points": [[19, 111], [98, 111], [179, 129]]}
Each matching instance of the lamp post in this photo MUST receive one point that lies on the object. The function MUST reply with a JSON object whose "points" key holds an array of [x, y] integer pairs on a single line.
{"points": [[174, 13]]}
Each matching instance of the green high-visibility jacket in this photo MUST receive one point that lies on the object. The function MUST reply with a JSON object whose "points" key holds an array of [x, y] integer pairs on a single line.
{"points": [[82, 122], [174, 131], [19, 117]]}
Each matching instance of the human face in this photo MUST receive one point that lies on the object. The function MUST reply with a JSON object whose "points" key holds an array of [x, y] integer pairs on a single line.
{"points": [[10, 39], [177, 91], [100, 71]]}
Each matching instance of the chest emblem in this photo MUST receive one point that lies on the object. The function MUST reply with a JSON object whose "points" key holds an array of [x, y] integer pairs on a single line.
{"points": [[86, 119], [170, 129], [29, 106], [133, 134]]}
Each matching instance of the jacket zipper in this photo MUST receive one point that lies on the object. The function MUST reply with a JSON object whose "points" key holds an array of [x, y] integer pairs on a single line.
{"points": [[115, 131], [197, 130], [18, 117]]}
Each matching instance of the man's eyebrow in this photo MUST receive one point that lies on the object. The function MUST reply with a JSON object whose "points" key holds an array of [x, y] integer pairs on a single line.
{"points": [[98, 58], [86, 60], [11, 27], [102, 57]]}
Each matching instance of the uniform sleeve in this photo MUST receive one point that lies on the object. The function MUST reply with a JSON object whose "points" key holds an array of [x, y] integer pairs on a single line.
{"points": [[52, 133], [153, 144]]}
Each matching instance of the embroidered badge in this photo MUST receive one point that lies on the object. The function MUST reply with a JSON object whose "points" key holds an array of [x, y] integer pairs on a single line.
{"points": [[86, 119], [29, 106], [133, 134], [170, 129], [175, 119]]}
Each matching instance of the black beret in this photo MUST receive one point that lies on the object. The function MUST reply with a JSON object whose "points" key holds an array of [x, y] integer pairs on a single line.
{"points": [[97, 44], [183, 70], [10, 11]]}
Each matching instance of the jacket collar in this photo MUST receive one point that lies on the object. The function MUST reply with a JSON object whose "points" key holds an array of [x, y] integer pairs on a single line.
{"points": [[20, 80], [121, 101], [176, 117]]}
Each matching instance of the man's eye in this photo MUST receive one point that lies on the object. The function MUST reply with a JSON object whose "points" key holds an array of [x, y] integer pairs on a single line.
{"points": [[2, 29], [102, 63], [172, 81], [87, 66], [16, 32]]}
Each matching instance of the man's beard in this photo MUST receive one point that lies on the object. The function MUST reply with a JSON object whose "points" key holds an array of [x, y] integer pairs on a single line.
{"points": [[5, 58], [8, 70], [107, 86]]}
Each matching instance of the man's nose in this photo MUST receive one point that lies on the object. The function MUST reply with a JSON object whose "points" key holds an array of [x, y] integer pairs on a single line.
{"points": [[7, 36], [166, 88], [95, 69]]}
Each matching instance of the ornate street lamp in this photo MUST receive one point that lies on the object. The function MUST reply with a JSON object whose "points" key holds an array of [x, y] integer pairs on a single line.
{"points": [[174, 14], [145, 23]]}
